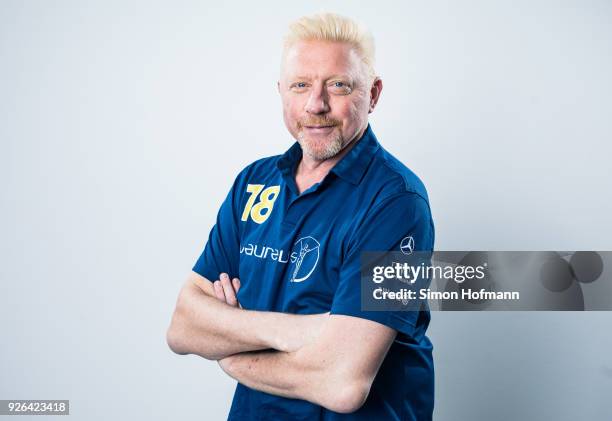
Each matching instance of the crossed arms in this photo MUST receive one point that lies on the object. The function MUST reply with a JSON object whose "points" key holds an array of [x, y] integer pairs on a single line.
{"points": [[330, 360]]}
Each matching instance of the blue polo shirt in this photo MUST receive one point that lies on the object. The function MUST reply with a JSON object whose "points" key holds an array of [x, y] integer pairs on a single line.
{"points": [[300, 254]]}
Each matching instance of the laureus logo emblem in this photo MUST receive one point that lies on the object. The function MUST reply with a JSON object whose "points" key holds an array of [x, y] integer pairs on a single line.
{"points": [[306, 250], [407, 245]]}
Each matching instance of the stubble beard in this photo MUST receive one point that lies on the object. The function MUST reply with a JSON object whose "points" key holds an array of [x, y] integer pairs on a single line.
{"points": [[320, 150]]}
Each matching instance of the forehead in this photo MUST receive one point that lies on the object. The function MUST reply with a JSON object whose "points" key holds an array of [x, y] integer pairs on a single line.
{"points": [[321, 59]]}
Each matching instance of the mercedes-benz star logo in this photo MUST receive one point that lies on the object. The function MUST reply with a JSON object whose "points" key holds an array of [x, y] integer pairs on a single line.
{"points": [[407, 245]]}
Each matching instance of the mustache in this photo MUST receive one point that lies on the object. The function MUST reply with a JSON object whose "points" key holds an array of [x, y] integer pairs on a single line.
{"points": [[321, 121]]}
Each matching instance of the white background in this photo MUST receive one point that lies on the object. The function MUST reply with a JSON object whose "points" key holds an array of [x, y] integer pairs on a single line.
{"points": [[124, 123]]}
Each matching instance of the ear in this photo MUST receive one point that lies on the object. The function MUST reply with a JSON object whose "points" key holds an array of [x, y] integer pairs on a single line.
{"points": [[278, 86], [375, 91]]}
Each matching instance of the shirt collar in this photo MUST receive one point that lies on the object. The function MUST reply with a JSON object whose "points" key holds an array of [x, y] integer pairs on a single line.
{"points": [[351, 167]]}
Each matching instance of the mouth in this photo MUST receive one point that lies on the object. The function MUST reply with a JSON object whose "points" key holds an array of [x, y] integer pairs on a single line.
{"points": [[319, 129]]}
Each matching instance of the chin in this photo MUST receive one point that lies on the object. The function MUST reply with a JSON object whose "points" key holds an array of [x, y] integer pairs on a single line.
{"points": [[320, 150]]}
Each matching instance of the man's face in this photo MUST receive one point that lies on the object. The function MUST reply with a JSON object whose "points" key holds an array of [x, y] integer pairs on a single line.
{"points": [[325, 94]]}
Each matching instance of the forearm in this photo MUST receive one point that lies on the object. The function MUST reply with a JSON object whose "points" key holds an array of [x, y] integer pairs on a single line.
{"points": [[292, 375], [268, 371], [336, 370], [204, 326]]}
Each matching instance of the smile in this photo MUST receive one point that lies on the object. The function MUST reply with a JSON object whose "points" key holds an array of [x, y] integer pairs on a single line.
{"points": [[319, 130]]}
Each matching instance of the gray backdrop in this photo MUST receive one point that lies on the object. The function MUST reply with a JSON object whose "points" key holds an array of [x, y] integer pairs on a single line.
{"points": [[123, 124]]}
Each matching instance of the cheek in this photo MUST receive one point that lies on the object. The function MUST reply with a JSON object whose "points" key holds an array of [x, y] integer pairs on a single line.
{"points": [[288, 112], [292, 108], [363, 103], [291, 116], [354, 112]]}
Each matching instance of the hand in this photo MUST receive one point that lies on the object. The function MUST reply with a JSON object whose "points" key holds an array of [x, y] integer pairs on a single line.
{"points": [[226, 290]]}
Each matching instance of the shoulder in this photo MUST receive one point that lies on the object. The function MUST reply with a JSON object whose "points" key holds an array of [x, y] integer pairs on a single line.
{"points": [[264, 164], [391, 179], [261, 167], [400, 202]]}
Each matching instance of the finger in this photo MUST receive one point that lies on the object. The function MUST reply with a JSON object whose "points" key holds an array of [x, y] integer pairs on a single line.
{"points": [[219, 291], [236, 284], [228, 289]]}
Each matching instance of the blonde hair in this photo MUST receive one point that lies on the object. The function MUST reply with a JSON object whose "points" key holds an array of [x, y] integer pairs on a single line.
{"points": [[334, 28]]}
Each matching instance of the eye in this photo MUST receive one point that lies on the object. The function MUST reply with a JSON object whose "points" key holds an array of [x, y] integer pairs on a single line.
{"points": [[299, 86], [340, 87]]}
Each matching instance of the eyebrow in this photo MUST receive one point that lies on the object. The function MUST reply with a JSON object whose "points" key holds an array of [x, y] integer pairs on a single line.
{"points": [[346, 77]]}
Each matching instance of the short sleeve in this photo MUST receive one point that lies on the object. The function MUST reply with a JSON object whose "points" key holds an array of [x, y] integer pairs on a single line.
{"points": [[221, 253], [383, 229]]}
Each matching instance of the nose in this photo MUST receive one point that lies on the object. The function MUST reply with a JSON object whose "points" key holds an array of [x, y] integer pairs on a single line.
{"points": [[318, 101]]}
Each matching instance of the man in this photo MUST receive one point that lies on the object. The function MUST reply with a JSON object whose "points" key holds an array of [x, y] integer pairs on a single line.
{"points": [[283, 316]]}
